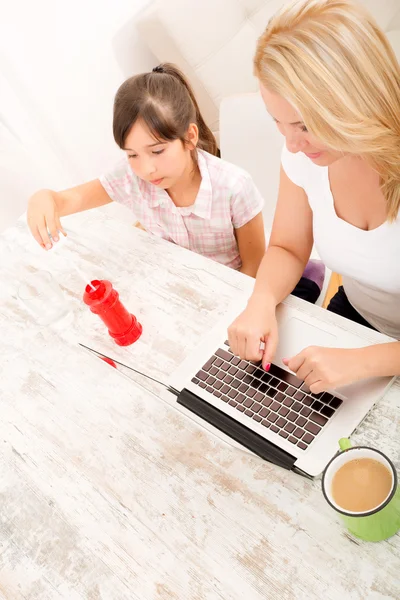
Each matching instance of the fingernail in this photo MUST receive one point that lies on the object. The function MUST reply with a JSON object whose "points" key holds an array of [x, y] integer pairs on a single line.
{"points": [[48, 246], [267, 367], [55, 238]]}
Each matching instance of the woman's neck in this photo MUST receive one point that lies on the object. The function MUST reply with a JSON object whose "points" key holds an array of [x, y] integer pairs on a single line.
{"points": [[184, 192]]}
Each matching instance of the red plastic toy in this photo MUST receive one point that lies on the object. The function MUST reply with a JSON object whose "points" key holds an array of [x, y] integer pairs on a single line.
{"points": [[104, 301]]}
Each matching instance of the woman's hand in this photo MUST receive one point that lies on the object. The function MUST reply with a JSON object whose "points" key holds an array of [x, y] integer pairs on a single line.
{"points": [[43, 217], [256, 324], [325, 369]]}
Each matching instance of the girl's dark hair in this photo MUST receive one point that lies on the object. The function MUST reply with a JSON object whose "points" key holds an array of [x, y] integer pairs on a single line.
{"points": [[164, 101]]}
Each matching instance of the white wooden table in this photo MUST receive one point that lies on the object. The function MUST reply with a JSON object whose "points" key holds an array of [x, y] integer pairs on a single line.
{"points": [[107, 491]]}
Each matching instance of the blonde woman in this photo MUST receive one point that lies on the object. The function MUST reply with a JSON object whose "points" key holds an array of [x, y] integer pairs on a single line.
{"points": [[331, 82]]}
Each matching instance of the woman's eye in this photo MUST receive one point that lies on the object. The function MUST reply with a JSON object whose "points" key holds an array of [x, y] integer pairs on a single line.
{"points": [[132, 155], [158, 151], [304, 128]]}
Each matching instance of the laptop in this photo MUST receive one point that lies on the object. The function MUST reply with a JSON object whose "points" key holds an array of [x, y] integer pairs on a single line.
{"points": [[274, 414]]}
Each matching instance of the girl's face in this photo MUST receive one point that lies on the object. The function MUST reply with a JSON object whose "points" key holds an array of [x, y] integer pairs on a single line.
{"points": [[298, 139], [161, 163]]}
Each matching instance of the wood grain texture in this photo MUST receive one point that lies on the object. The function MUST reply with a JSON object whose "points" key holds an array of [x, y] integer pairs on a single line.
{"points": [[108, 491]]}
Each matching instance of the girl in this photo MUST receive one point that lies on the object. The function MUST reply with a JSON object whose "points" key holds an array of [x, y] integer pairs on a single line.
{"points": [[331, 82], [171, 178]]}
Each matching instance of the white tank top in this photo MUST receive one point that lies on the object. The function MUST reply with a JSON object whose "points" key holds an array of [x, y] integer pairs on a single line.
{"points": [[369, 261]]}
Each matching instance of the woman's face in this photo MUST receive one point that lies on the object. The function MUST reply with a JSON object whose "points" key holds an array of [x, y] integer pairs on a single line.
{"points": [[298, 139]]}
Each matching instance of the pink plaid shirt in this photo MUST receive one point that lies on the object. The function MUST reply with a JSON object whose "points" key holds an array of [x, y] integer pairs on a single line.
{"points": [[227, 200]]}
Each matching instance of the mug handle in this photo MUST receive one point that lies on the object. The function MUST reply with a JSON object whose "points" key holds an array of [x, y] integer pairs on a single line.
{"points": [[344, 444]]}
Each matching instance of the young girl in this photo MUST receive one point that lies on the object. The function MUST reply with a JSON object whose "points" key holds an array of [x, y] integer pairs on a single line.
{"points": [[170, 177]]}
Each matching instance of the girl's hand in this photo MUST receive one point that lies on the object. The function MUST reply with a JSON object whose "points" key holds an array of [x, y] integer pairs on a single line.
{"points": [[256, 324], [325, 369], [42, 216]]}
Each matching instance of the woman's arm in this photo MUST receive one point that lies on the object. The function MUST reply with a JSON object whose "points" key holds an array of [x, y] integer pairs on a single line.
{"points": [[251, 244], [280, 270]]}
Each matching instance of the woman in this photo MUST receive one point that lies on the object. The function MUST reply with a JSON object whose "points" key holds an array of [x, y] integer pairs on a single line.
{"points": [[331, 82]]}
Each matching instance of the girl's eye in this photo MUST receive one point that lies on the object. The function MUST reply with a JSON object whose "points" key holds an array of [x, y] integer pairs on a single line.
{"points": [[158, 151], [132, 155], [304, 128]]}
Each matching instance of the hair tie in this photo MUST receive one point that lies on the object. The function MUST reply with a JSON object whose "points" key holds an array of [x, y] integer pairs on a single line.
{"points": [[158, 69]]}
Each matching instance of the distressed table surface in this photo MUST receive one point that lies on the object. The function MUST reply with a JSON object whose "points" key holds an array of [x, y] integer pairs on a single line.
{"points": [[108, 491]]}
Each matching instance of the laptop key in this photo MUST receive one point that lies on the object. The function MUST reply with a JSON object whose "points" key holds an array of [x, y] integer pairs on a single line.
{"points": [[267, 401], [272, 417], [224, 354], [209, 389], [301, 421], [307, 439], [266, 423], [297, 406], [208, 364], [335, 403], [312, 427], [281, 422], [195, 380], [218, 384], [228, 379], [274, 382], [275, 406], [316, 405], [263, 388], [248, 402], [284, 434], [232, 393], [240, 375], [202, 375], [293, 440], [240, 398], [250, 392], [235, 361], [290, 391], [307, 401], [292, 416], [213, 370], [327, 411], [280, 397], [211, 380], [243, 387], [298, 433], [202, 384], [302, 445], [248, 379], [224, 398], [242, 365], [217, 362], [249, 368], [318, 418], [257, 418], [220, 374], [259, 397], [274, 428], [306, 411], [290, 427], [299, 396], [264, 412], [256, 407], [241, 408], [232, 403], [248, 412], [266, 377], [283, 411], [217, 393], [282, 387], [288, 401], [232, 370], [225, 389]]}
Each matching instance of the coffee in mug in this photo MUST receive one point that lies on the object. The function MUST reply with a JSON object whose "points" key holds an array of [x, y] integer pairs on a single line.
{"points": [[361, 484]]}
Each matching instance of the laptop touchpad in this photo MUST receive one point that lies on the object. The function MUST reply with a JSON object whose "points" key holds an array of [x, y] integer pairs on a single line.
{"points": [[295, 335]]}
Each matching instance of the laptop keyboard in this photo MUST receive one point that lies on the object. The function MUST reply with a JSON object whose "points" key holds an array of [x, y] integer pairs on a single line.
{"points": [[277, 399]]}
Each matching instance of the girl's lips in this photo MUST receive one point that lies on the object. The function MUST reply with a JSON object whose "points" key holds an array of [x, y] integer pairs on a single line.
{"points": [[157, 181]]}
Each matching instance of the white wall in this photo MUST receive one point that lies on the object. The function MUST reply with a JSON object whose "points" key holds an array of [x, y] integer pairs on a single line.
{"points": [[60, 66]]}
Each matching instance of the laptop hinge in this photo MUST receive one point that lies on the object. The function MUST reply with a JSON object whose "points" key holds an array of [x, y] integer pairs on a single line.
{"points": [[245, 436]]}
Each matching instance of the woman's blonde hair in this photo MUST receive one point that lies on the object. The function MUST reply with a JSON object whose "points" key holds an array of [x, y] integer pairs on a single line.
{"points": [[333, 63]]}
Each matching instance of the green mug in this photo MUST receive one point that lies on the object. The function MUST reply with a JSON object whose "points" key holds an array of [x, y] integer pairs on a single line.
{"points": [[374, 525]]}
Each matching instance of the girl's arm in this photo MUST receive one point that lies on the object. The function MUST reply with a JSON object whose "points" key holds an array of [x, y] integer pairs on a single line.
{"points": [[251, 244], [46, 207]]}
